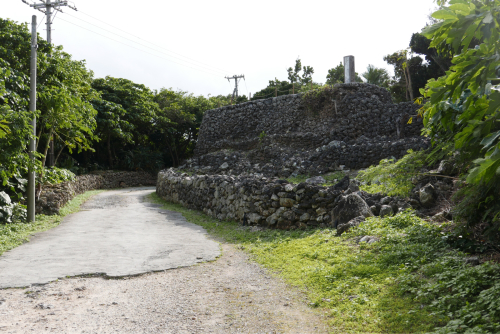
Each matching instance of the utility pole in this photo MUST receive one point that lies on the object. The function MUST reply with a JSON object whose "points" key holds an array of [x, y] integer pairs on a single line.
{"points": [[47, 8], [235, 77], [32, 146]]}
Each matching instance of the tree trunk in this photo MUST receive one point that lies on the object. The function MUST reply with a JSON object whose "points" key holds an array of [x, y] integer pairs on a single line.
{"points": [[410, 86], [58, 154], [46, 149], [110, 157], [39, 190]]}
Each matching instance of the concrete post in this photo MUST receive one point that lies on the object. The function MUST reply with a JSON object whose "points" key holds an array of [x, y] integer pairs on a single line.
{"points": [[350, 72], [32, 144]]}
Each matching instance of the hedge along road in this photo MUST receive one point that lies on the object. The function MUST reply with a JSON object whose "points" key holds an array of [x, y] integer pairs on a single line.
{"points": [[117, 233]]}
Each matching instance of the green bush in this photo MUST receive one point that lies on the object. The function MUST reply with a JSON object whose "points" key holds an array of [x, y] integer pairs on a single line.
{"points": [[393, 177], [54, 175]]}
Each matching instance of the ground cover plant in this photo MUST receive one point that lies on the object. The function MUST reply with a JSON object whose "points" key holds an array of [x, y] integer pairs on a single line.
{"points": [[410, 281], [17, 233]]}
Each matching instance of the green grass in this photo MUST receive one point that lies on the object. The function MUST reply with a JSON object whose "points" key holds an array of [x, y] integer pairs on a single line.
{"points": [[410, 281], [330, 178], [15, 234]]}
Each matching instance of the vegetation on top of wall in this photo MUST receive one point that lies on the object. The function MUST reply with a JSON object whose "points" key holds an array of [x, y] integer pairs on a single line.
{"points": [[320, 100]]}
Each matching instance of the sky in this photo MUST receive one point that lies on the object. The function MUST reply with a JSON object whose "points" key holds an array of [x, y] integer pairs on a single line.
{"points": [[192, 45]]}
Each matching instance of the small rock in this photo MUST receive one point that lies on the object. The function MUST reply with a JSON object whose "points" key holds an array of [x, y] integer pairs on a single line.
{"points": [[343, 184], [385, 200], [427, 195], [351, 223], [316, 180], [225, 165], [386, 210], [44, 306], [473, 261]]}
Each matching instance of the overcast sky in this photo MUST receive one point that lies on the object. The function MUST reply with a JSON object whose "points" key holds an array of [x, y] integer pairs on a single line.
{"points": [[192, 45]]}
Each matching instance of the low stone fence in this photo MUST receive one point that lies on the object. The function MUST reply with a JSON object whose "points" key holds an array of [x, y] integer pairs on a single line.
{"points": [[53, 198], [274, 203], [266, 202]]}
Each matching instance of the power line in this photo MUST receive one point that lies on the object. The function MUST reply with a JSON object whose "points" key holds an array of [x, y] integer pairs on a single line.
{"points": [[217, 75], [206, 67], [158, 46]]}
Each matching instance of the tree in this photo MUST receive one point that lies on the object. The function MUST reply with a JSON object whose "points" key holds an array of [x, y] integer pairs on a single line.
{"points": [[463, 112], [376, 76], [136, 99], [293, 73], [337, 75], [111, 125]]}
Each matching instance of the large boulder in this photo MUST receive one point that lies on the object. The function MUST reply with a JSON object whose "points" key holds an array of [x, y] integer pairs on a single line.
{"points": [[350, 207]]}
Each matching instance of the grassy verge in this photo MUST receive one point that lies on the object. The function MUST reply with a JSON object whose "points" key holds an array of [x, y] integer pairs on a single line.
{"points": [[410, 281], [15, 234]]}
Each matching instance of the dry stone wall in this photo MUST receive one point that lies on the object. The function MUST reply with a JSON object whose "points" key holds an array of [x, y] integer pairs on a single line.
{"points": [[353, 110], [54, 197], [351, 125], [271, 202]]}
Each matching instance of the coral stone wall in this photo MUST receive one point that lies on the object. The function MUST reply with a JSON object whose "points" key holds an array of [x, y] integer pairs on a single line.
{"points": [[346, 113]]}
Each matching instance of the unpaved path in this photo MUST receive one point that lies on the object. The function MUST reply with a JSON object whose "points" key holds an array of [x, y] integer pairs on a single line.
{"points": [[229, 295]]}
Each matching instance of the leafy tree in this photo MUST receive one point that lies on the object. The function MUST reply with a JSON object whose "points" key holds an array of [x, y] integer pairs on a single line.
{"points": [[136, 99], [63, 90], [111, 125], [276, 87], [376, 76], [337, 75], [293, 73], [463, 112], [307, 75], [179, 120]]}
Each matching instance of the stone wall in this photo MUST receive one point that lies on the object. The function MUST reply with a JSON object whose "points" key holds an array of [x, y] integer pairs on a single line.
{"points": [[343, 113], [351, 125], [272, 202], [53, 198], [266, 202]]}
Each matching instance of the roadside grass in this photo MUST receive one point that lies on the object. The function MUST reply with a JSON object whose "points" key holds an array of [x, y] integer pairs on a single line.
{"points": [[410, 281], [331, 178], [15, 234]]}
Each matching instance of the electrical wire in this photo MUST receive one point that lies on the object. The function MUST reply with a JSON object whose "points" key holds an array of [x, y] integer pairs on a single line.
{"points": [[43, 19], [217, 75], [183, 60], [219, 69]]}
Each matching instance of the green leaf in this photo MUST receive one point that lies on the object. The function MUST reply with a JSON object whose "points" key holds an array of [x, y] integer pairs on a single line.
{"points": [[444, 14], [490, 139]]}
